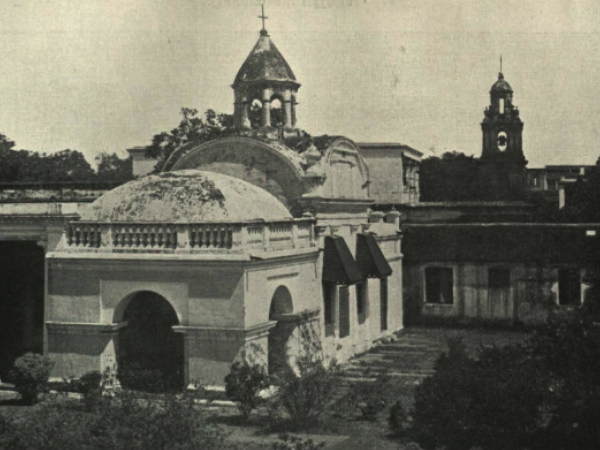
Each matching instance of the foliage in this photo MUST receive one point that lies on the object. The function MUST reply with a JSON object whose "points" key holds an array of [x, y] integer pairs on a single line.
{"points": [[23, 165], [291, 442], [113, 168], [449, 178], [570, 346], [583, 198], [370, 397], [244, 383], [126, 422], [306, 385], [399, 419], [493, 402], [191, 129], [30, 376]]}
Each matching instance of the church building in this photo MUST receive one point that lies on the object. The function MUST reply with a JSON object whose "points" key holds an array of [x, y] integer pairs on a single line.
{"points": [[238, 241]]}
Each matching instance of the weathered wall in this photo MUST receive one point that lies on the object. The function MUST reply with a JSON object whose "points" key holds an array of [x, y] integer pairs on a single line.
{"points": [[97, 295], [250, 160], [385, 169], [533, 293]]}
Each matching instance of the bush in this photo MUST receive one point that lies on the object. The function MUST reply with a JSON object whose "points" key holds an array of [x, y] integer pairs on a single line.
{"points": [[370, 397], [570, 348], [493, 402], [399, 419], [243, 384], [90, 386], [290, 442], [124, 423], [306, 386], [30, 374]]}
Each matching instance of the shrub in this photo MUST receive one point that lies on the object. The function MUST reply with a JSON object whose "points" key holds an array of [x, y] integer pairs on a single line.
{"points": [[90, 386], [306, 386], [370, 397], [399, 419], [493, 402], [30, 374], [570, 347], [243, 384], [290, 442], [125, 423]]}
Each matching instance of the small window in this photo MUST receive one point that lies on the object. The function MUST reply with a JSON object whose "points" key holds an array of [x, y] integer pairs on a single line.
{"points": [[383, 300], [569, 287], [361, 301], [499, 278], [501, 106], [329, 307], [439, 285], [344, 311]]}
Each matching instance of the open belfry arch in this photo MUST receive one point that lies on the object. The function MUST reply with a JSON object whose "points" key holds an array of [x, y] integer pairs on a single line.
{"points": [[232, 241]]}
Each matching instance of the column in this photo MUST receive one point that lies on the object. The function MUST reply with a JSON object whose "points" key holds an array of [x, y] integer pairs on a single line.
{"points": [[266, 108], [288, 109]]}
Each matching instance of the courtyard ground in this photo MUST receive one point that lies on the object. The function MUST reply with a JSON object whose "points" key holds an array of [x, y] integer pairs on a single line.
{"points": [[408, 359]]}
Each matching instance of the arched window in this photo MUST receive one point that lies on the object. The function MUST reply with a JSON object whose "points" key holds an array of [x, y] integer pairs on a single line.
{"points": [[255, 113], [277, 113]]}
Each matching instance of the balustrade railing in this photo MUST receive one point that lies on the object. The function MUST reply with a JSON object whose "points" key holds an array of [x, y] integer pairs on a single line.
{"points": [[189, 238]]}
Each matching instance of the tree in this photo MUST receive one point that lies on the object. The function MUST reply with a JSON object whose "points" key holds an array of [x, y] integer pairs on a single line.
{"points": [[451, 178], [113, 168], [191, 129], [583, 198]]}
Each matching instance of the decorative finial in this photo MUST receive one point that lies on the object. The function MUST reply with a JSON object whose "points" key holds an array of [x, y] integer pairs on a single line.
{"points": [[263, 32], [500, 61]]}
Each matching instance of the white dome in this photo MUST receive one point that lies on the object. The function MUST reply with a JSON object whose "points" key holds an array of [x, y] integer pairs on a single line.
{"points": [[186, 196]]}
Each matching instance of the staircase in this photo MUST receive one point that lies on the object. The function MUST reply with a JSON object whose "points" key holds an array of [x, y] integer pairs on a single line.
{"points": [[411, 355]]}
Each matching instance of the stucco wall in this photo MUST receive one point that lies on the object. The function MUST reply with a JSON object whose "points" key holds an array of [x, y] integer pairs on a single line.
{"points": [[385, 170], [533, 293]]}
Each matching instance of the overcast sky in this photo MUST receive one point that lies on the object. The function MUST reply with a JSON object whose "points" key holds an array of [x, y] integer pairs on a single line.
{"points": [[105, 75]]}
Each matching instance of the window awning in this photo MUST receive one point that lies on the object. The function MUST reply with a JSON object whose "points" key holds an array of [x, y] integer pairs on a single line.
{"points": [[339, 266], [370, 258]]}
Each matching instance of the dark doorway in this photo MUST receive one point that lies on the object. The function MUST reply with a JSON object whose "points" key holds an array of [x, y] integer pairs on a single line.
{"points": [[150, 354], [21, 302], [279, 336]]}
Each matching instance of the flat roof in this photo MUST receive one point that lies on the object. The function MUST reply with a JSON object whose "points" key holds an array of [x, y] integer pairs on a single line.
{"points": [[388, 145]]}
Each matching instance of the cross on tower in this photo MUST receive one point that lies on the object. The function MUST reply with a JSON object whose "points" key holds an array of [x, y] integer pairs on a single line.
{"points": [[263, 17], [500, 62]]}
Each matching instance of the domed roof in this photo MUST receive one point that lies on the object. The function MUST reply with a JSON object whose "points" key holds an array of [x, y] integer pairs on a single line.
{"points": [[501, 85], [186, 196], [265, 63]]}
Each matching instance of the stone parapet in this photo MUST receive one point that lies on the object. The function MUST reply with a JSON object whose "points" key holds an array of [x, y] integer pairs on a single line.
{"points": [[210, 238]]}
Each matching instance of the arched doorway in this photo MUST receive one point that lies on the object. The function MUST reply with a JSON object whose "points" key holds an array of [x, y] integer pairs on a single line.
{"points": [[149, 353], [279, 336]]}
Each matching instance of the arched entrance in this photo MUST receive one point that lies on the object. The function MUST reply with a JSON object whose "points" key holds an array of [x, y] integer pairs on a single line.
{"points": [[21, 302], [279, 336], [149, 353]]}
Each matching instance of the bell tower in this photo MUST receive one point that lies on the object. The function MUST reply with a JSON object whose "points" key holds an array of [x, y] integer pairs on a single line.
{"points": [[502, 127], [502, 159], [265, 79]]}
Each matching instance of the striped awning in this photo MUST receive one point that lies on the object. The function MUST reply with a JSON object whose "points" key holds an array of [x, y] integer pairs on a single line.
{"points": [[339, 266], [369, 257]]}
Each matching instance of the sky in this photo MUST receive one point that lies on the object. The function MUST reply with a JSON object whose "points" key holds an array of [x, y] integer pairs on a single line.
{"points": [[106, 75]]}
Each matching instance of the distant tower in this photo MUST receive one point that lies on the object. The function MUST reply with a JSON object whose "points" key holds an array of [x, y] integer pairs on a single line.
{"points": [[502, 159], [265, 77]]}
